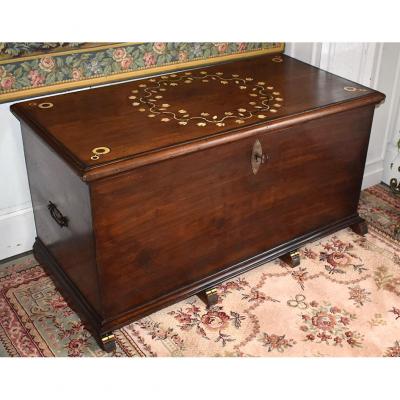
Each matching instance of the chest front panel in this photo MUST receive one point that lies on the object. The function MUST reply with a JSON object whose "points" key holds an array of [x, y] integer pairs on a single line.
{"points": [[170, 224]]}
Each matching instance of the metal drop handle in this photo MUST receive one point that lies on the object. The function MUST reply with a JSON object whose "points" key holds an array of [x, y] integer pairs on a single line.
{"points": [[57, 215]]}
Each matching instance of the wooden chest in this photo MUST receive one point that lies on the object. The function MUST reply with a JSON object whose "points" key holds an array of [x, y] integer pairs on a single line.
{"points": [[150, 191]]}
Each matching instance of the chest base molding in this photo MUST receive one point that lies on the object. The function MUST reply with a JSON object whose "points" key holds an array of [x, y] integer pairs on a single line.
{"points": [[100, 327]]}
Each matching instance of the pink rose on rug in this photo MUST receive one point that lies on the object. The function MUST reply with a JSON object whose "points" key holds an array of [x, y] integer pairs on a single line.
{"points": [[215, 320], [183, 318], [324, 321], [159, 47], [182, 56], [75, 347], [7, 82], [77, 74], [344, 320], [58, 303], [126, 62], [119, 54], [36, 78], [338, 259], [47, 63], [149, 59]]}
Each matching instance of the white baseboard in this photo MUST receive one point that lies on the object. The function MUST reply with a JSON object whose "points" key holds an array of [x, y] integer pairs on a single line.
{"points": [[372, 174], [17, 232]]}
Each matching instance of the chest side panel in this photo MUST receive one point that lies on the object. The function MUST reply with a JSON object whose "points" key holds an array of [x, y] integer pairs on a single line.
{"points": [[52, 180], [164, 226]]}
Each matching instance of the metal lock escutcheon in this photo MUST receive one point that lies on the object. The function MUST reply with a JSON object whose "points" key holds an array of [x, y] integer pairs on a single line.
{"points": [[257, 157]]}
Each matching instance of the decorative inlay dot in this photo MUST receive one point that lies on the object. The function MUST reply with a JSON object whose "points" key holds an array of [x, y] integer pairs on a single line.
{"points": [[228, 113], [354, 89], [242, 87], [182, 122], [270, 87], [201, 124], [152, 80], [242, 110], [239, 121], [159, 97], [188, 73], [164, 119], [204, 114], [220, 124], [98, 151], [132, 97], [182, 111], [45, 105], [277, 105], [278, 99], [135, 91], [203, 72], [276, 93], [162, 89], [272, 110], [277, 59], [262, 116], [249, 79], [188, 81], [142, 85], [173, 84], [253, 94], [235, 75], [165, 105], [252, 103], [135, 104], [142, 109], [151, 115], [219, 73], [261, 83]]}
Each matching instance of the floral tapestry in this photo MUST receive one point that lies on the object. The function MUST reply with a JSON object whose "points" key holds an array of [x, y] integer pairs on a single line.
{"points": [[32, 69]]}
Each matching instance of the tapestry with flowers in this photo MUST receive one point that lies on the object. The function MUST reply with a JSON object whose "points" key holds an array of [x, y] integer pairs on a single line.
{"points": [[33, 69]]}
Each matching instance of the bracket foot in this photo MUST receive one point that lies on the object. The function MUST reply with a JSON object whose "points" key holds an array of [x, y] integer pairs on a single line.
{"points": [[292, 258], [210, 297], [108, 343], [361, 228]]}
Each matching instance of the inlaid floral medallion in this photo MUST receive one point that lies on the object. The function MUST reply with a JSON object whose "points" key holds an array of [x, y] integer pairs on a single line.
{"points": [[162, 98]]}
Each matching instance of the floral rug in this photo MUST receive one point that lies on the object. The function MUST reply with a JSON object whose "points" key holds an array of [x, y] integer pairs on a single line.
{"points": [[343, 300]]}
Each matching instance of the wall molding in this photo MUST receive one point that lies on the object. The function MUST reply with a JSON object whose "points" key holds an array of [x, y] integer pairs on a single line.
{"points": [[19, 228]]}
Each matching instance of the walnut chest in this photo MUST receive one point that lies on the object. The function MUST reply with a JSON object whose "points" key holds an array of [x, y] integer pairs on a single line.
{"points": [[154, 190]]}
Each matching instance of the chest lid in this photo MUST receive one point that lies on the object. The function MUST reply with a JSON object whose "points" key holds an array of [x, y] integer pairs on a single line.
{"points": [[110, 129]]}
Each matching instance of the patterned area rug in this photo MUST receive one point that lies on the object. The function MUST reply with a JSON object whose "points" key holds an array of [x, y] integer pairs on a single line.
{"points": [[343, 300]]}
